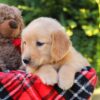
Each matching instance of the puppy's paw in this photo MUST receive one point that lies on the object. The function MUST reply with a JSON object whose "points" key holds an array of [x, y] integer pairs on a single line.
{"points": [[48, 75], [64, 82], [48, 79], [66, 77]]}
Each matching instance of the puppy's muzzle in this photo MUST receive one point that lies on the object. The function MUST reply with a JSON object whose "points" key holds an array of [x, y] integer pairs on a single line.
{"points": [[26, 60]]}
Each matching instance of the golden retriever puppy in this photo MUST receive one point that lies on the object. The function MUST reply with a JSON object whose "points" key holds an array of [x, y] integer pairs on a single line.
{"points": [[48, 52]]}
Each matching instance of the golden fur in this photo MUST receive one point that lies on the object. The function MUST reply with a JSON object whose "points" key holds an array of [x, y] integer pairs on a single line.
{"points": [[56, 61]]}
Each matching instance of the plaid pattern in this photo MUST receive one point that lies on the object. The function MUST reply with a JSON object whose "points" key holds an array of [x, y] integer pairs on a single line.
{"points": [[18, 85], [84, 84]]}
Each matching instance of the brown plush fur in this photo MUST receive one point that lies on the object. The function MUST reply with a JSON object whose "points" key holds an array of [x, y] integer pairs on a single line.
{"points": [[50, 53], [11, 25]]}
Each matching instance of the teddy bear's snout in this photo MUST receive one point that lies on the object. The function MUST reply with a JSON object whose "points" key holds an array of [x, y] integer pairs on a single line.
{"points": [[13, 24]]}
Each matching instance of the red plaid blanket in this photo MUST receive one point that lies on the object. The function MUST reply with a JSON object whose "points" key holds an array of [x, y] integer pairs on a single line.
{"points": [[18, 85]]}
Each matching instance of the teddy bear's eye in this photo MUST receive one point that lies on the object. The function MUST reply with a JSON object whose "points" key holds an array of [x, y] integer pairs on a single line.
{"points": [[38, 43]]}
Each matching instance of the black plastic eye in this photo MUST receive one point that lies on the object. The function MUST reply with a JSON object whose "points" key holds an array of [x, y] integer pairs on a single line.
{"points": [[39, 43]]}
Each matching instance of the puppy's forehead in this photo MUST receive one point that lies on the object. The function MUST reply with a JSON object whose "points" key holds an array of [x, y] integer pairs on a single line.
{"points": [[36, 34], [42, 27]]}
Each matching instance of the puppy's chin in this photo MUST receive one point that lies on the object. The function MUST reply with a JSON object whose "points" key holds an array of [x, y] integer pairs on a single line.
{"points": [[31, 66], [30, 70]]}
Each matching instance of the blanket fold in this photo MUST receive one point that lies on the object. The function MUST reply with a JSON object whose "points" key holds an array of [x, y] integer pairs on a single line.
{"points": [[18, 85]]}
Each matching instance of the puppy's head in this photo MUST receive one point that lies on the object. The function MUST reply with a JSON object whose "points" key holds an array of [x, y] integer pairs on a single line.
{"points": [[43, 42]]}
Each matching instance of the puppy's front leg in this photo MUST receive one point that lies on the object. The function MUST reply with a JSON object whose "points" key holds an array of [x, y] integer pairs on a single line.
{"points": [[48, 74], [66, 77]]}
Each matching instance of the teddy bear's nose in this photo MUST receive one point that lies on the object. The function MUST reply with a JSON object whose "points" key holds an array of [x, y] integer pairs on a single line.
{"points": [[13, 24]]}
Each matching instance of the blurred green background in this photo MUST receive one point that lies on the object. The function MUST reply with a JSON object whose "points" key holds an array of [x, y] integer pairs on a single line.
{"points": [[81, 19]]}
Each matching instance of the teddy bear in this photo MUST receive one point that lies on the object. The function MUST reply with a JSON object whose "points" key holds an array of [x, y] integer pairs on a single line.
{"points": [[11, 25]]}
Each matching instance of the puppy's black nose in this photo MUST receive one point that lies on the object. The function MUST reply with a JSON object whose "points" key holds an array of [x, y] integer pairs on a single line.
{"points": [[26, 61]]}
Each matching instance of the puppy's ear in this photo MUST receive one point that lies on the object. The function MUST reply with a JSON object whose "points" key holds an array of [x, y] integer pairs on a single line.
{"points": [[22, 47], [60, 45]]}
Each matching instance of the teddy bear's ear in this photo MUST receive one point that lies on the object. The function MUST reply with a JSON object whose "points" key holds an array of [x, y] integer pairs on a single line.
{"points": [[13, 24], [16, 10], [60, 45]]}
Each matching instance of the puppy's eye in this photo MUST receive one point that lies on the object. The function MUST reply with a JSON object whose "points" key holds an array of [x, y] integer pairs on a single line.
{"points": [[38, 43]]}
